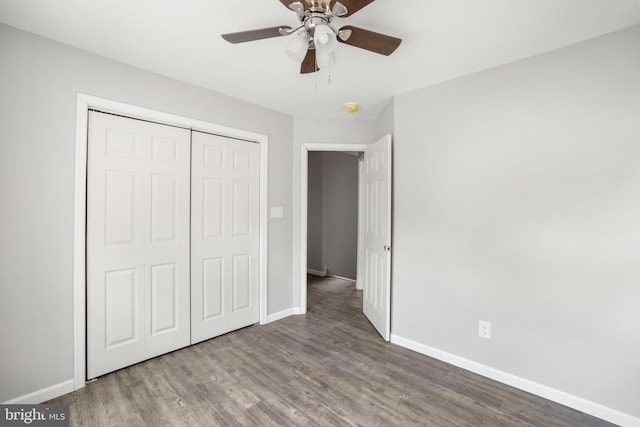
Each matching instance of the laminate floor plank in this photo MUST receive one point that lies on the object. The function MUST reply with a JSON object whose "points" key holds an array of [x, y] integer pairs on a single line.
{"points": [[326, 368]]}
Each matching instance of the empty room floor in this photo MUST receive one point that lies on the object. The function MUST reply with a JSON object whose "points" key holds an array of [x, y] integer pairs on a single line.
{"points": [[327, 368]]}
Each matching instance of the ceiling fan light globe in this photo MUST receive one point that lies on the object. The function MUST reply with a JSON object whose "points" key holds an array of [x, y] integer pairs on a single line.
{"points": [[297, 48], [322, 59], [324, 38], [325, 59]]}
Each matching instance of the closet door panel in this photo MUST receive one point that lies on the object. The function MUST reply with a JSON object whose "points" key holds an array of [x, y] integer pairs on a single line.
{"points": [[209, 219], [137, 241], [115, 246], [245, 228], [224, 235], [167, 247]]}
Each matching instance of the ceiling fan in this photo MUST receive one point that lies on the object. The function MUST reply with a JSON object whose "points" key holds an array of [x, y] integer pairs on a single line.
{"points": [[316, 38]]}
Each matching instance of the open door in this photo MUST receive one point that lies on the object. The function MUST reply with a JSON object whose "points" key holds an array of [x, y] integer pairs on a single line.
{"points": [[376, 303]]}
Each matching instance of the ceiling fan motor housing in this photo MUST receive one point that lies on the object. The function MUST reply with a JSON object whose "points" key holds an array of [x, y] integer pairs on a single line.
{"points": [[322, 6], [313, 20]]}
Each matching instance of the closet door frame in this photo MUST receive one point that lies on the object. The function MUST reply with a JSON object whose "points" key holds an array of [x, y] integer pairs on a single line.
{"points": [[83, 105]]}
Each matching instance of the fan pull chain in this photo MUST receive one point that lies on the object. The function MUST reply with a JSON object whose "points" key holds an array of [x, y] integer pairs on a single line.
{"points": [[315, 74], [332, 62]]}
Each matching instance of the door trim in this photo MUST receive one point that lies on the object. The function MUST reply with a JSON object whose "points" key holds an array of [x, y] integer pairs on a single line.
{"points": [[304, 178], [86, 102]]}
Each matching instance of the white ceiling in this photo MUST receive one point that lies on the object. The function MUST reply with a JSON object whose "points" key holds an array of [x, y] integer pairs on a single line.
{"points": [[442, 39]]}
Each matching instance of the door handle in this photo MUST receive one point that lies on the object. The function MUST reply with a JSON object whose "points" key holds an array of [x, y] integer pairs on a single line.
{"points": [[387, 248]]}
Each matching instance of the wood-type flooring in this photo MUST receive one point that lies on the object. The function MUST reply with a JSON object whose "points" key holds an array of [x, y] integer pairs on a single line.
{"points": [[326, 368]]}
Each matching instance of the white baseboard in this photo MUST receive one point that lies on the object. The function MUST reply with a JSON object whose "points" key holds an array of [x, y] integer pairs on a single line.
{"points": [[43, 395], [316, 272], [325, 274], [532, 387], [342, 278], [282, 314]]}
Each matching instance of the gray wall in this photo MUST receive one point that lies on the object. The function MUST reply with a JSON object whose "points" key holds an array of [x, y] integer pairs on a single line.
{"points": [[385, 122], [340, 213], [517, 201], [39, 81], [314, 212], [332, 218]]}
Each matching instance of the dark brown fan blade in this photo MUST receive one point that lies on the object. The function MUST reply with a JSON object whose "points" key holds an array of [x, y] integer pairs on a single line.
{"points": [[309, 63], [251, 35], [370, 40], [352, 5]]}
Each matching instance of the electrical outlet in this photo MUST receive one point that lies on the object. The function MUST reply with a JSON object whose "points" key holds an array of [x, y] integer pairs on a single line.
{"points": [[484, 329]]}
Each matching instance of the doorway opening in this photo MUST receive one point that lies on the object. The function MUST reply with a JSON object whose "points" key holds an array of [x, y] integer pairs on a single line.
{"points": [[304, 208], [332, 214]]}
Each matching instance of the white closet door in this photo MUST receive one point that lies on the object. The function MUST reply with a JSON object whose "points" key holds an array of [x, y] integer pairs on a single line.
{"points": [[224, 235], [137, 241]]}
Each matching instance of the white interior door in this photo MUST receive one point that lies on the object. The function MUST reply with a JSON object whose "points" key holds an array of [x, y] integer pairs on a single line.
{"points": [[224, 235], [376, 302], [137, 241]]}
